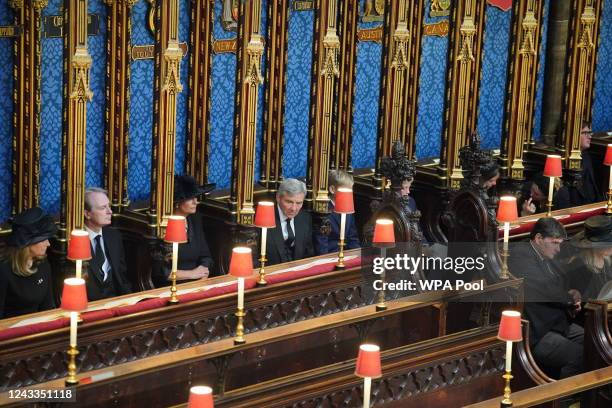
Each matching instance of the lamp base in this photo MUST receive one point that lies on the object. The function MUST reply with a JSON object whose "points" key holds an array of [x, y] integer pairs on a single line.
{"points": [[174, 301], [239, 340], [505, 404], [339, 267], [381, 307]]}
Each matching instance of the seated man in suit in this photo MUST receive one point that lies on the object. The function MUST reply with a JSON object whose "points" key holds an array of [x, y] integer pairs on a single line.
{"points": [[107, 272], [535, 195], [587, 191], [292, 237], [550, 304], [327, 239]]}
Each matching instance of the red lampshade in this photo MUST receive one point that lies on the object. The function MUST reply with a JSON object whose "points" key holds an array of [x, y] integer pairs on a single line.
{"points": [[264, 215], [176, 230], [608, 158], [200, 396], [553, 167], [510, 326], [79, 247], [506, 210], [74, 295], [344, 201], [241, 264], [368, 361], [384, 235]]}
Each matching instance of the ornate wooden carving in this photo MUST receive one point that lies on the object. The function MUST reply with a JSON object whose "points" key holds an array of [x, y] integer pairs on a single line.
{"points": [[26, 98], [200, 84]]}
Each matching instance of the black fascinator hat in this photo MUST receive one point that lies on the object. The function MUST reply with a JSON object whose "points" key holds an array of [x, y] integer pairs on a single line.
{"points": [[186, 187], [31, 227]]}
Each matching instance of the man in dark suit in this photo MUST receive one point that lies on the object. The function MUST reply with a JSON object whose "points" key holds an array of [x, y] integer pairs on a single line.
{"points": [[327, 239], [550, 304], [291, 239], [107, 271], [587, 191]]}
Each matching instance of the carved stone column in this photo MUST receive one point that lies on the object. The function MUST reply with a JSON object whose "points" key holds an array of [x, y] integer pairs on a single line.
{"points": [[464, 62], [521, 88], [399, 88], [274, 114], [117, 109], [248, 79], [77, 94], [583, 38], [26, 97], [343, 108], [198, 129], [325, 74], [167, 87]]}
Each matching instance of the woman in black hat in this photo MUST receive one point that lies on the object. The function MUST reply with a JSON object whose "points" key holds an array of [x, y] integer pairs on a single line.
{"points": [[535, 195], [591, 267], [194, 258], [25, 274]]}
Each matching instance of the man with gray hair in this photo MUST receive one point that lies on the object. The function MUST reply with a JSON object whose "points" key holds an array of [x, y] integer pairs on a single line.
{"points": [[107, 271], [292, 237]]}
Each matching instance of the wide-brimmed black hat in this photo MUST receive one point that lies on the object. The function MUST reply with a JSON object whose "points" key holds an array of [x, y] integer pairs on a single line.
{"points": [[31, 227], [597, 233], [186, 187]]}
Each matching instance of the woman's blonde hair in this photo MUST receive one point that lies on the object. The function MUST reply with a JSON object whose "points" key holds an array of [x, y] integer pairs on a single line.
{"points": [[588, 257], [19, 258]]}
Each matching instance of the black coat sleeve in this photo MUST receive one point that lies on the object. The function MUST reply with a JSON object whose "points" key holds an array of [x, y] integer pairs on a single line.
{"points": [[48, 301]]}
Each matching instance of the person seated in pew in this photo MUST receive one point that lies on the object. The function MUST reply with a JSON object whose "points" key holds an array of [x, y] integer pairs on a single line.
{"points": [[587, 191], [535, 195], [194, 258], [591, 268], [489, 175], [25, 273], [291, 239], [327, 239], [106, 274], [550, 303]]}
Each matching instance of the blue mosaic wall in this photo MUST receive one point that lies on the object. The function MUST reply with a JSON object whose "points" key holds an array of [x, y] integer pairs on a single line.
{"points": [[222, 108], [96, 109], [297, 97], [494, 76], [537, 119], [141, 110], [602, 105], [51, 117], [366, 105], [6, 114], [430, 119]]}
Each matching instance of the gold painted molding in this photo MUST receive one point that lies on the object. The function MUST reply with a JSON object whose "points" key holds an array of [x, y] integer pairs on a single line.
{"points": [[249, 76], [117, 109], [464, 66], [167, 87], [399, 93], [521, 92], [326, 72], [584, 37], [274, 114], [200, 85], [75, 125], [26, 114]]}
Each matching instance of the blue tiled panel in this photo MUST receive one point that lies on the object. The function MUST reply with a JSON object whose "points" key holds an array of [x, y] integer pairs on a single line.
{"points": [[96, 109], [6, 114], [431, 92], [141, 110], [602, 105], [367, 92], [297, 97], [494, 75], [51, 117], [222, 108], [537, 120], [183, 97]]}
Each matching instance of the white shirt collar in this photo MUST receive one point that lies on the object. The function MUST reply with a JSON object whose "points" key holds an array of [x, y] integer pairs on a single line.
{"points": [[92, 234]]}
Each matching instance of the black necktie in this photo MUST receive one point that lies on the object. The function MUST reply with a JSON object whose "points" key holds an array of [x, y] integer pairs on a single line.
{"points": [[290, 235], [99, 255]]}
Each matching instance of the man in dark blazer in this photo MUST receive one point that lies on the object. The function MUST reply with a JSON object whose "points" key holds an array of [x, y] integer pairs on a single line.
{"points": [[107, 271], [291, 239], [550, 304]]}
